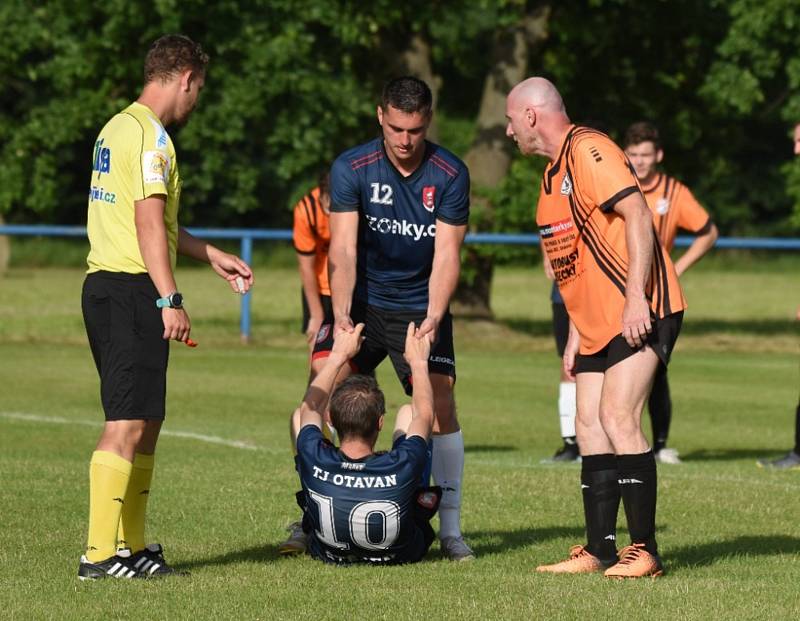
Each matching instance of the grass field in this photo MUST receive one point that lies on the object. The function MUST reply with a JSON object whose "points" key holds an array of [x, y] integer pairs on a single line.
{"points": [[224, 482]]}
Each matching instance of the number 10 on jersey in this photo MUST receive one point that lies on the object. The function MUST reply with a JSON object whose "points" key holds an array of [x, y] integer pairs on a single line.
{"points": [[386, 511]]}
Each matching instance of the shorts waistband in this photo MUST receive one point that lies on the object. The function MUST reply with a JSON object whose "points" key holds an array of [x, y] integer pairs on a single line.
{"points": [[120, 276]]}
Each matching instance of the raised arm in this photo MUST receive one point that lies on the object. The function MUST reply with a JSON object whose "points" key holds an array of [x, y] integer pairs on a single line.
{"points": [[640, 238], [416, 353], [444, 275], [342, 267], [318, 393]]}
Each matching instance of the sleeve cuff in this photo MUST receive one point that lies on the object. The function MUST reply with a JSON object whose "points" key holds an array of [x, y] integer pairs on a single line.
{"points": [[453, 221], [609, 204], [705, 228], [337, 207]]}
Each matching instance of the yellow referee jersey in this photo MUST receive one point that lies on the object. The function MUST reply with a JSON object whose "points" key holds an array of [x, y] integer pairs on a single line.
{"points": [[133, 158]]}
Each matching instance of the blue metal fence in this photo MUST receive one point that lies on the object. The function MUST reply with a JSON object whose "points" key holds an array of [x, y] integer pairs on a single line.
{"points": [[248, 236]]}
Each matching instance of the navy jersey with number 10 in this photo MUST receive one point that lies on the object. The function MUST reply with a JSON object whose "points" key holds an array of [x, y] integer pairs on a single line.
{"points": [[361, 510], [397, 218]]}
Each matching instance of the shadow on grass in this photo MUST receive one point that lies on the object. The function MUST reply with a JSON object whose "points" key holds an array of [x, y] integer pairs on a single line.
{"points": [[499, 541], [715, 551], [695, 327], [506, 540], [730, 454], [267, 553], [490, 448]]}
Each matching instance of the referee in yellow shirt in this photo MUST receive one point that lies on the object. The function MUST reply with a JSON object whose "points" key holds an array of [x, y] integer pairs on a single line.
{"points": [[131, 304]]}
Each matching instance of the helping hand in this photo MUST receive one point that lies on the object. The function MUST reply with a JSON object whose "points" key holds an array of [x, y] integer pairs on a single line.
{"points": [[346, 343], [417, 349]]}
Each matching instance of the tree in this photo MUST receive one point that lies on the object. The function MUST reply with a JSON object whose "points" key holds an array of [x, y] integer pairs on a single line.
{"points": [[755, 79]]}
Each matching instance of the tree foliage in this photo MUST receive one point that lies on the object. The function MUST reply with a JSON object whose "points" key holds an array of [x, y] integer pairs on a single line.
{"points": [[293, 82]]}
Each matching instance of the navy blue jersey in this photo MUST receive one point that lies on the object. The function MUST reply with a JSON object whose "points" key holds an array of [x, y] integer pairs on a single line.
{"points": [[361, 510], [397, 218]]}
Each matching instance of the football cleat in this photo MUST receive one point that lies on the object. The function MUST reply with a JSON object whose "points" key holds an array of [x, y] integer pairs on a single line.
{"points": [[790, 461], [580, 561], [566, 454], [636, 562], [297, 543], [668, 456], [150, 563], [118, 566], [456, 549]]}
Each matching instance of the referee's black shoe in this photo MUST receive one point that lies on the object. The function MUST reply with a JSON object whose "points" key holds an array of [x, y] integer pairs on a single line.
{"points": [[150, 563], [118, 566]]}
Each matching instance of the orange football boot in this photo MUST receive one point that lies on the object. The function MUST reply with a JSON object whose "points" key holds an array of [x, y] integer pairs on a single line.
{"points": [[580, 561], [636, 562]]}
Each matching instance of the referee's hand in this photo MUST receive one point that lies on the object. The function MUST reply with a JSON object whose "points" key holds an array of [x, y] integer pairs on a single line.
{"points": [[176, 324]]}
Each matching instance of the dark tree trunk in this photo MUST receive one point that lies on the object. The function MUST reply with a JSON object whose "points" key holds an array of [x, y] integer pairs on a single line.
{"points": [[489, 157]]}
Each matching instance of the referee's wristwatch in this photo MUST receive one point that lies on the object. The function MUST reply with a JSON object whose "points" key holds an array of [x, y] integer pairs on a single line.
{"points": [[173, 300]]}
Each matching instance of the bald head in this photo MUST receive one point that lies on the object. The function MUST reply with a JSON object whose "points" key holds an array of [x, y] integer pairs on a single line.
{"points": [[537, 119], [538, 93]]}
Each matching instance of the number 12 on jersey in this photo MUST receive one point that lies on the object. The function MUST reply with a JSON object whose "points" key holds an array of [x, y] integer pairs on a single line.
{"points": [[359, 522], [381, 194]]}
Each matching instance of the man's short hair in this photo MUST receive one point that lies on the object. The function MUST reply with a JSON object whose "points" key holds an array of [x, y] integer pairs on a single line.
{"points": [[356, 407], [408, 94], [642, 132], [170, 55]]}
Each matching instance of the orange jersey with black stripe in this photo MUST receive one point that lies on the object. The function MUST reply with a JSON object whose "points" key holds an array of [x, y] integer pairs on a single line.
{"points": [[311, 234], [585, 239], [675, 207]]}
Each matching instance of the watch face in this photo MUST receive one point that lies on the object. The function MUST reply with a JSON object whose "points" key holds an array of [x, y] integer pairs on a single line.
{"points": [[176, 299]]}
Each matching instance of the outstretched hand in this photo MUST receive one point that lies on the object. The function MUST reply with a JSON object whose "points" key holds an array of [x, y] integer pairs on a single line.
{"points": [[234, 270], [346, 343], [418, 347]]}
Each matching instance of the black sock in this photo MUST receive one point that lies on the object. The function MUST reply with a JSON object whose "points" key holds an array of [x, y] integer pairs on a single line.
{"points": [[797, 430], [660, 407], [638, 485], [600, 487]]}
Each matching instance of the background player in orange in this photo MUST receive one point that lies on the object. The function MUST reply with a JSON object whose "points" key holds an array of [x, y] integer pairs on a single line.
{"points": [[625, 306], [792, 459], [311, 237], [674, 207]]}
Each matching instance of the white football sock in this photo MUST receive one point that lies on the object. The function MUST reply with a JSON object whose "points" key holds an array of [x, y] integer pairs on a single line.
{"points": [[447, 469], [566, 408]]}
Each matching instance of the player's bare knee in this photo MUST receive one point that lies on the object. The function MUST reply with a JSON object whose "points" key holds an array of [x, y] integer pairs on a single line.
{"points": [[617, 421]]}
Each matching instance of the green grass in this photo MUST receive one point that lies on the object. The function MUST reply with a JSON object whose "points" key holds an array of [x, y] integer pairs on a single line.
{"points": [[728, 531]]}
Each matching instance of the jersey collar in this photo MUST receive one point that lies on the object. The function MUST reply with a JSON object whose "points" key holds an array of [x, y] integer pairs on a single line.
{"points": [[429, 149]]}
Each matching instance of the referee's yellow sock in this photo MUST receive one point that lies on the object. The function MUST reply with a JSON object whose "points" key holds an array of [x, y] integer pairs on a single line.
{"points": [[131, 523], [109, 474]]}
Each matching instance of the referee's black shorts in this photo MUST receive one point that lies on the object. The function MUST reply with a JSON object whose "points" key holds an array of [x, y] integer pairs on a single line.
{"points": [[125, 331]]}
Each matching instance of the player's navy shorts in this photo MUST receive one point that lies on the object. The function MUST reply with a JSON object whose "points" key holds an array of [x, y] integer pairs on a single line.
{"points": [[661, 340], [385, 334], [125, 331], [327, 309]]}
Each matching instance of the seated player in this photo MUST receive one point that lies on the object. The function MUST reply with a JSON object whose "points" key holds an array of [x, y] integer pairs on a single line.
{"points": [[361, 506]]}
